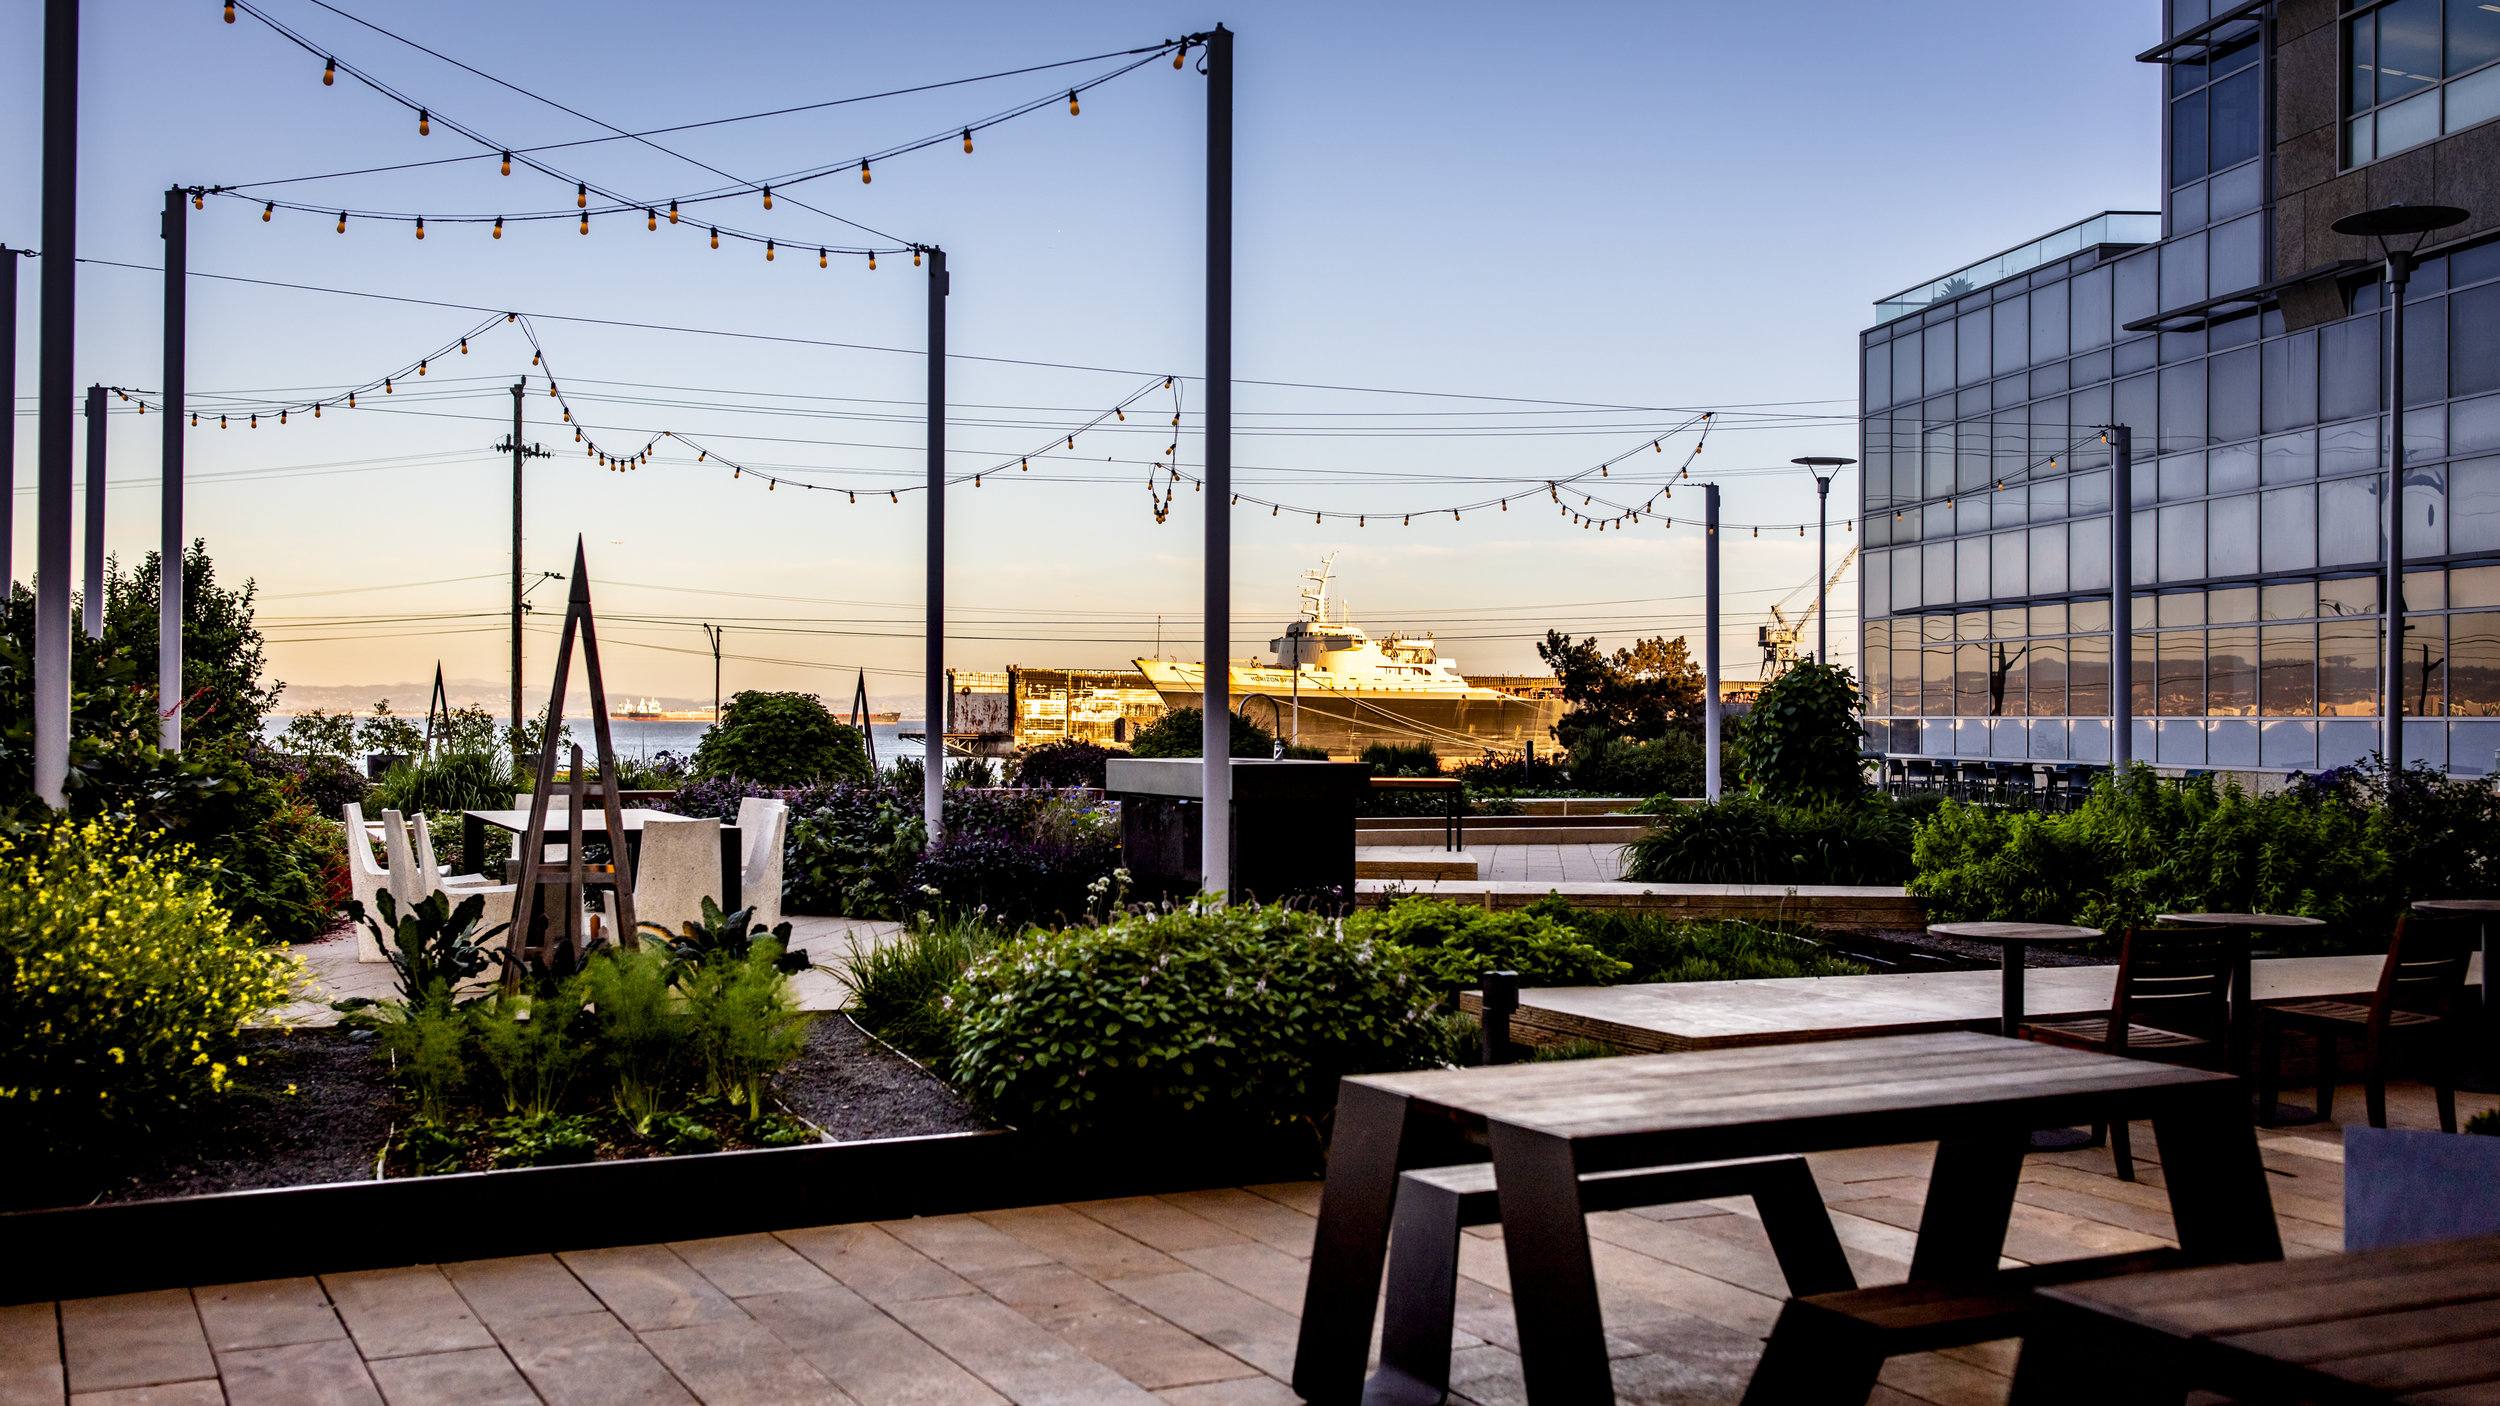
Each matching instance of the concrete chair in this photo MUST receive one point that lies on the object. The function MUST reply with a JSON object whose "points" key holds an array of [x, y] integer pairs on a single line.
{"points": [[678, 869], [366, 878], [430, 875], [401, 857], [763, 831]]}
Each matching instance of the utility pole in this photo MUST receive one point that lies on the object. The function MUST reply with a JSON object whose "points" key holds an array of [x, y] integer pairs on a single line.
{"points": [[2399, 273], [175, 227], [94, 564], [1710, 643], [713, 634], [1215, 854], [933, 661], [2121, 598], [53, 390], [520, 452], [8, 441]]}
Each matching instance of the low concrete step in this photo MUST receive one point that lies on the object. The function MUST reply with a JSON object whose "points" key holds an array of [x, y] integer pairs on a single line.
{"points": [[1416, 862], [1500, 832]]}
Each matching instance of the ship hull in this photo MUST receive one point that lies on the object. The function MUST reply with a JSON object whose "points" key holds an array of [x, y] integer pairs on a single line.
{"points": [[1455, 724]]}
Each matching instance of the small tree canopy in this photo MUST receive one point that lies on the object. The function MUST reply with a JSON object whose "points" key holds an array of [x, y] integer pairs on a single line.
{"points": [[780, 739], [1802, 739], [1638, 693], [1181, 732]]}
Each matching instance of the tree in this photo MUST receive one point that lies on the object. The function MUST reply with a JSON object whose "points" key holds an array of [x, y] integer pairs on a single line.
{"points": [[1181, 732], [222, 655], [1637, 693], [384, 731], [1802, 740], [780, 739]]}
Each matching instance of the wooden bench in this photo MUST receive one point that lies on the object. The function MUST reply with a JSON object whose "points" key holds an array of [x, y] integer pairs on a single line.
{"points": [[1434, 1204], [1828, 1348]]}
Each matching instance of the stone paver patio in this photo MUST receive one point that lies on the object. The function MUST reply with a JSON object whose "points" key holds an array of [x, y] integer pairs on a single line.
{"points": [[1186, 1299]]}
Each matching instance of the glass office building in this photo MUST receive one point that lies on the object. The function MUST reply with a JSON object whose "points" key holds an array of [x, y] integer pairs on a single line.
{"points": [[2241, 341]]}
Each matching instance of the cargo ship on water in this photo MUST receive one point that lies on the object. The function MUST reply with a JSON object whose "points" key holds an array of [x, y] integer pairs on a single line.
{"points": [[1332, 686]]}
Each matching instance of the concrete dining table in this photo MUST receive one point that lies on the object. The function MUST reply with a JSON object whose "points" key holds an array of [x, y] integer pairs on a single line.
{"points": [[475, 823]]}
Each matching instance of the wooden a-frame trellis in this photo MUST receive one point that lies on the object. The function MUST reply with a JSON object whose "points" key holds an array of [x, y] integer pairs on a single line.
{"points": [[578, 620]]}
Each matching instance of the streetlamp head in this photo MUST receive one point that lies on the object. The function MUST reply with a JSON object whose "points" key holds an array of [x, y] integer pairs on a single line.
{"points": [[1819, 461], [2395, 221]]}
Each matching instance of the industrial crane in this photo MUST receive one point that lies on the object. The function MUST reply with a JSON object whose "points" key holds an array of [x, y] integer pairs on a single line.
{"points": [[1779, 639]]}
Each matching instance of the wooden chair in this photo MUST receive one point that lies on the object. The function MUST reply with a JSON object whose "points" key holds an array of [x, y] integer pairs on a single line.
{"points": [[2418, 990], [2172, 1006]]}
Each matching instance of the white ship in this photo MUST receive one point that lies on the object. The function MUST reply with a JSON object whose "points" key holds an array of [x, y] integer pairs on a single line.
{"points": [[1330, 685]]}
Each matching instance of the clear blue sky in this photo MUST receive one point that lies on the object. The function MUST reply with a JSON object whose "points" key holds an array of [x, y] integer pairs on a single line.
{"points": [[1662, 205]]}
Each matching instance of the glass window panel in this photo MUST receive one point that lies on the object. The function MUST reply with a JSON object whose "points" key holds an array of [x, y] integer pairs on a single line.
{"points": [[1937, 564], [2348, 596], [2049, 619], [2143, 674], [2087, 554], [1905, 588], [2174, 608], [2407, 124], [2187, 207], [2348, 526], [2009, 506], [2426, 350], [1875, 586], [2232, 605], [2474, 665], [1939, 355], [1906, 487], [2181, 476], [1970, 680], [2006, 675], [1936, 451], [1971, 625], [2361, 44], [2133, 405], [2048, 560], [2426, 590], [2231, 406], [2046, 682], [2474, 340], [2348, 368], [2140, 351], [2472, 100], [2473, 34], [2182, 676], [2348, 668], [2287, 531], [2287, 684], [2089, 324], [1939, 521], [2007, 624], [1971, 566], [2474, 506], [1906, 384], [1972, 335], [2472, 424], [2048, 500], [2291, 600], [1935, 629], [2090, 493], [2182, 346], [2143, 537], [1970, 513], [2135, 289], [2231, 469], [2182, 409], [2360, 140], [2288, 380], [2231, 536], [2009, 440], [1974, 466], [2349, 448], [2049, 379], [2089, 616], [1936, 668], [2237, 192], [2471, 586], [2425, 693], [2408, 48], [2425, 504], [2009, 570], [2231, 673], [2187, 138], [2183, 270], [2087, 676], [2048, 322], [2013, 335], [1875, 668]]}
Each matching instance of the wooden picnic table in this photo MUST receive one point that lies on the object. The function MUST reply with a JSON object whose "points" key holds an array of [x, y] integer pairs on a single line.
{"points": [[2011, 939], [1977, 1096], [2414, 1324], [474, 824]]}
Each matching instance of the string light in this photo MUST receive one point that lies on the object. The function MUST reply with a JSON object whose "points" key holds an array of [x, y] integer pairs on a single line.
{"points": [[342, 222], [499, 226], [967, 141], [872, 261], [863, 170], [266, 210], [915, 256], [820, 257], [507, 163], [581, 195], [716, 237], [672, 212], [585, 222], [768, 251], [1072, 102], [650, 219], [229, 11], [329, 73], [425, 124], [420, 226], [198, 201]]}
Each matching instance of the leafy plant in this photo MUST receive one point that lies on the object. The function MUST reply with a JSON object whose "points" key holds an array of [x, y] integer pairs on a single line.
{"points": [[853, 854], [1181, 732], [1455, 943], [1207, 1017], [446, 781], [1390, 759], [543, 1140], [316, 732], [742, 1023], [427, 1042], [1609, 764], [531, 1046], [122, 982], [1749, 840], [1016, 880], [782, 739], [433, 946], [1639, 693], [976, 772], [1801, 741], [641, 1031], [1056, 765], [1659, 948], [385, 732], [224, 699], [730, 936], [899, 987]]}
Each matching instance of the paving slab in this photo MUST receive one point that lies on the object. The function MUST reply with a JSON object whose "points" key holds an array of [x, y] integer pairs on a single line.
{"points": [[871, 1262], [126, 1340], [589, 1359], [406, 1311], [478, 1376], [740, 1363], [298, 1374], [874, 1358], [267, 1313]]}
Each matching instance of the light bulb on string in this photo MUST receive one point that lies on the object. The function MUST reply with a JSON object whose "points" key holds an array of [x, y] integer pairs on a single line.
{"points": [[198, 201], [229, 11], [386, 386], [281, 415], [316, 410], [585, 222], [581, 195], [768, 251], [820, 258], [872, 261], [967, 141], [915, 256], [420, 226], [1177, 55], [863, 170], [672, 212], [425, 125], [221, 422], [421, 367], [342, 222], [768, 197], [265, 210], [255, 423], [651, 219], [351, 400], [507, 163], [1072, 102], [329, 72], [499, 226], [893, 496]]}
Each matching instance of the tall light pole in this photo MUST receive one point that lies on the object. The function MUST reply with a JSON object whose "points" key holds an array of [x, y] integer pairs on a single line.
{"points": [[1215, 852], [2386, 225], [1710, 717], [55, 384], [520, 453], [1824, 469], [93, 565], [933, 647], [176, 230]]}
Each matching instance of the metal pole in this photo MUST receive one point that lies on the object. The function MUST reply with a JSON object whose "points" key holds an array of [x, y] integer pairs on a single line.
{"points": [[8, 439], [53, 390], [170, 550], [2392, 700], [2121, 598], [1215, 862], [1822, 569], [933, 664], [1710, 643], [518, 387], [94, 563]]}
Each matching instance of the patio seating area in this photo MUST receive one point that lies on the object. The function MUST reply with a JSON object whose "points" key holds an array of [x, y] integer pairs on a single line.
{"points": [[1189, 1299]]}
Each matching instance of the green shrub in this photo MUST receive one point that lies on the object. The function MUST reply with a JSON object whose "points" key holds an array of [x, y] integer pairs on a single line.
{"points": [[853, 854], [447, 781], [530, 1047], [2141, 846], [1658, 948], [1609, 764], [428, 1046], [1749, 840], [122, 982], [899, 987], [1181, 732], [1390, 759], [741, 1022], [781, 739], [1234, 1017], [1454, 943], [1801, 739], [641, 1029], [543, 1140]]}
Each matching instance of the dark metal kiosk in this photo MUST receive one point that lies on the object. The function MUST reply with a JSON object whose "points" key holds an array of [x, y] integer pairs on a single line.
{"points": [[1292, 825]]}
